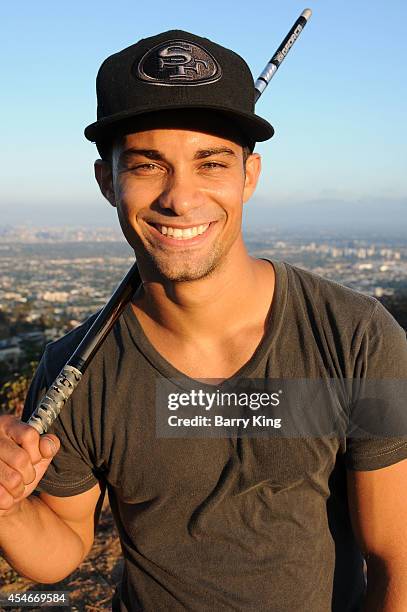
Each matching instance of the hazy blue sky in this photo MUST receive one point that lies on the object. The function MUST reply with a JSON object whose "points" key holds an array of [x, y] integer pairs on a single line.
{"points": [[338, 103]]}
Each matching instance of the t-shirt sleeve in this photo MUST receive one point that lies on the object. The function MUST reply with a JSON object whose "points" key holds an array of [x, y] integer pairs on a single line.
{"points": [[72, 470], [380, 408]]}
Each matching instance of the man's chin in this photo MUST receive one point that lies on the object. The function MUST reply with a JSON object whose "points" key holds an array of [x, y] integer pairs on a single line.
{"points": [[185, 271], [186, 275]]}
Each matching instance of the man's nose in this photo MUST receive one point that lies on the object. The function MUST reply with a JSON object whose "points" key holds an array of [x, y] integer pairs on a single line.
{"points": [[180, 194]]}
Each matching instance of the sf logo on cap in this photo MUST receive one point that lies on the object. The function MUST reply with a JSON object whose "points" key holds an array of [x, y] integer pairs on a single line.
{"points": [[178, 62]]}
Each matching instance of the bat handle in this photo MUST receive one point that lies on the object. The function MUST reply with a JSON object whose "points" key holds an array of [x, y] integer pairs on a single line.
{"points": [[54, 400]]}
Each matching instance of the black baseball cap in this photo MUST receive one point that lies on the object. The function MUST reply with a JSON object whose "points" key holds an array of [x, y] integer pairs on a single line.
{"points": [[176, 70]]}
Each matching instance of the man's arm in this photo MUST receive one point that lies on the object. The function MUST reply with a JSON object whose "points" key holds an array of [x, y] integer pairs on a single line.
{"points": [[44, 538], [378, 509]]}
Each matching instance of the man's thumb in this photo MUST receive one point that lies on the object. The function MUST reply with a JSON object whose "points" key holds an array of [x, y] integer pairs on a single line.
{"points": [[49, 445]]}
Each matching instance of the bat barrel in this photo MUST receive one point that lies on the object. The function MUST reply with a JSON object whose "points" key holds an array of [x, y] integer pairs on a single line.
{"points": [[281, 53]]}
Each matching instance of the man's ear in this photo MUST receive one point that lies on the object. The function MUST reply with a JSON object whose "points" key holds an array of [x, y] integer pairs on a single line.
{"points": [[104, 177], [253, 169]]}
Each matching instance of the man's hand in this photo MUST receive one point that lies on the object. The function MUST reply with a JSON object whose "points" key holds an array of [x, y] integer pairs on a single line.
{"points": [[24, 458], [44, 537]]}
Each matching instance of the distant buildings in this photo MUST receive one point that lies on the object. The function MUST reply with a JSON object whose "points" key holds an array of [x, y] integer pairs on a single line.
{"points": [[53, 279], [10, 351]]}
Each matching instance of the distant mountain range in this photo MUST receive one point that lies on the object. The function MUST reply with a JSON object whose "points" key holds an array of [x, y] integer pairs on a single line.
{"points": [[332, 214]]}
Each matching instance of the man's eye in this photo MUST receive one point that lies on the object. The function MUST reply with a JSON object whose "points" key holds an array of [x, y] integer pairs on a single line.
{"points": [[142, 169], [212, 165], [146, 167]]}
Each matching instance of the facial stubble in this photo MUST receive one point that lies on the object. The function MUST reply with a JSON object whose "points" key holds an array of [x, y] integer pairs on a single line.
{"points": [[183, 266]]}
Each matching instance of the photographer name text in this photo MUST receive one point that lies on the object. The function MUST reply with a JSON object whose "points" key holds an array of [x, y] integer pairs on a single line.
{"points": [[221, 421]]}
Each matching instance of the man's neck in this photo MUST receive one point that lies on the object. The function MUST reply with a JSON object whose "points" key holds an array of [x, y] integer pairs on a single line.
{"points": [[233, 296]]}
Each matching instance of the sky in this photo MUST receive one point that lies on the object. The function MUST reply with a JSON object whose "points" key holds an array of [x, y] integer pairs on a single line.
{"points": [[337, 103]]}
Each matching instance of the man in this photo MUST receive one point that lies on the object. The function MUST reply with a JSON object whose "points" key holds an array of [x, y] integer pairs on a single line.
{"points": [[227, 523]]}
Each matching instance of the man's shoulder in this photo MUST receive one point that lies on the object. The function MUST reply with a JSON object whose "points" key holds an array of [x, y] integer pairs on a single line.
{"points": [[329, 296]]}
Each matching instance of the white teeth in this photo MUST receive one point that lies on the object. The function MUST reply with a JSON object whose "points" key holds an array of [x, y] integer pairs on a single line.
{"points": [[183, 234]]}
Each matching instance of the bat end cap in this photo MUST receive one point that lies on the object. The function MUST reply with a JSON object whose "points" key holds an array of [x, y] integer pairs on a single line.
{"points": [[306, 13]]}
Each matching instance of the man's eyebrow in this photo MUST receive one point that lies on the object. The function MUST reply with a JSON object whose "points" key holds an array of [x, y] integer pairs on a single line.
{"points": [[149, 153], [157, 156], [202, 153]]}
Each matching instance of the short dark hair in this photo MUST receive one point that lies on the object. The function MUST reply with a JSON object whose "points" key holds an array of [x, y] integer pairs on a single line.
{"points": [[247, 151]]}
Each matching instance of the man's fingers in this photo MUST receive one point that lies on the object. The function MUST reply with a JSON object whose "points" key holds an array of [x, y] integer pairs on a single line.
{"points": [[16, 458], [25, 436], [49, 445], [11, 480], [29, 439], [24, 459], [12, 483]]}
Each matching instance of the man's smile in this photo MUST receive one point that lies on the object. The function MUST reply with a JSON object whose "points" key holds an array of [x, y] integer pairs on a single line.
{"points": [[176, 234]]}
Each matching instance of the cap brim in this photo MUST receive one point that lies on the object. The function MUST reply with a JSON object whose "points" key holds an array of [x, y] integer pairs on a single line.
{"points": [[253, 127]]}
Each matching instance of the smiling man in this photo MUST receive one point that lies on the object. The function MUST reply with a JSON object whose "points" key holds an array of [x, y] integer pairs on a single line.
{"points": [[206, 523], [179, 183]]}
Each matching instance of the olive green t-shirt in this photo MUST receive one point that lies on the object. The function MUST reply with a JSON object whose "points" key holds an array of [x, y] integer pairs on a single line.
{"points": [[239, 523]]}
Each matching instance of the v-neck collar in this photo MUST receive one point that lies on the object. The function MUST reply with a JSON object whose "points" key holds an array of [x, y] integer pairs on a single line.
{"points": [[248, 370]]}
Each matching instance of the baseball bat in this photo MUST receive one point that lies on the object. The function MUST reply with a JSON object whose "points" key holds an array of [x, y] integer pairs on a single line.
{"points": [[281, 53], [67, 380]]}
